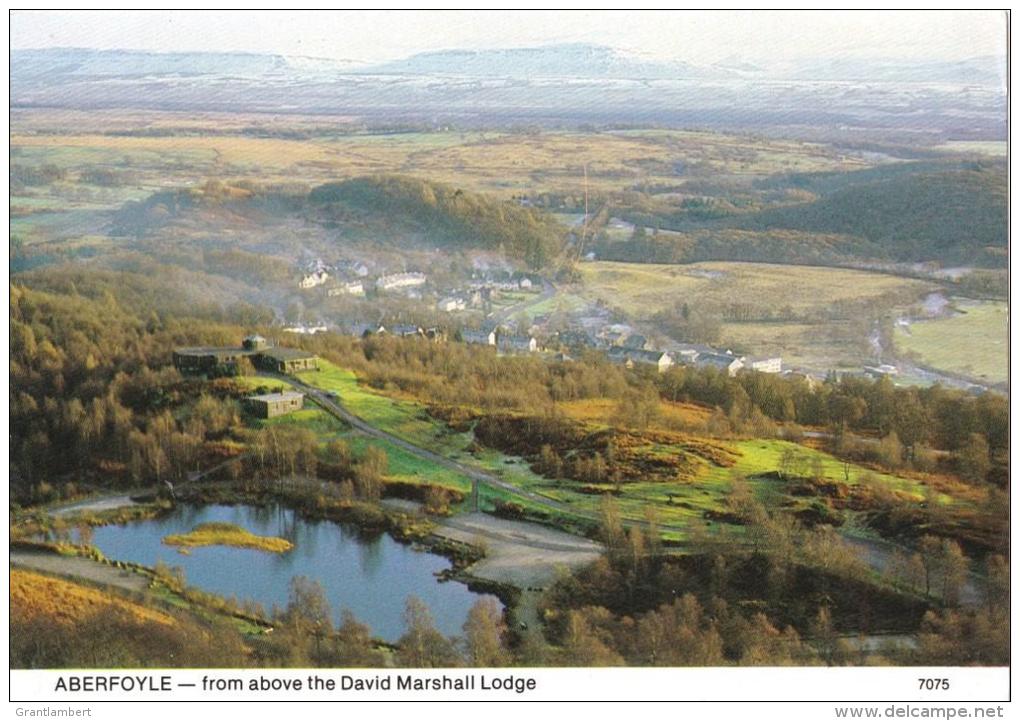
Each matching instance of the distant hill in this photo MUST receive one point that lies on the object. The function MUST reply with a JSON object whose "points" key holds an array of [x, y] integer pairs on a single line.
{"points": [[951, 212], [450, 215], [955, 213], [578, 60], [55, 64], [439, 213], [569, 60], [987, 70], [550, 86]]}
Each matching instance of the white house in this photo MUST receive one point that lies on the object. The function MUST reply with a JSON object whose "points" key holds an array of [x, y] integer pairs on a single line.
{"points": [[314, 279], [400, 280], [451, 304], [632, 356], [309, 329], [355, 287], [766, 365], [723, 361]]}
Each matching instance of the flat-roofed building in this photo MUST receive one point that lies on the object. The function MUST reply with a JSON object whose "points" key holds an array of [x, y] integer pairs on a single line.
{"points": [[400, 280], [214, 361], [208, 360], [765, 365], [270, 405], [355, 287], [287, 360]]}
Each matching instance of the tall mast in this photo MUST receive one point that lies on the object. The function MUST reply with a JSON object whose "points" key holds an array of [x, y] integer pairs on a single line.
{"points": [[584, 225]]}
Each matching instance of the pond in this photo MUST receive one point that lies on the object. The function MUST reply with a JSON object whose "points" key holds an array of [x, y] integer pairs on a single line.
{"points": [[371, 576]]}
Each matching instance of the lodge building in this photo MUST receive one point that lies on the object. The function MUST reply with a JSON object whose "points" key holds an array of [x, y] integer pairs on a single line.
{"points": [[223, 361]]}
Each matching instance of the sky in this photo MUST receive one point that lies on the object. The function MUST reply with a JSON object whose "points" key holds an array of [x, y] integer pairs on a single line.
{"points": [[700, 37]]}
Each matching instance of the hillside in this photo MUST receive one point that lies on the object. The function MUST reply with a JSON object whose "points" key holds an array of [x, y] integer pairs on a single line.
{"points": [[578, 60], [950, 212], [400, 207], [949, 215], [554, 86], [66, 64], [449, 215]]}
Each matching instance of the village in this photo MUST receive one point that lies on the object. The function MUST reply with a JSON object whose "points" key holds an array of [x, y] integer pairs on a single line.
{"points": [[518, 312], [500, 309]]}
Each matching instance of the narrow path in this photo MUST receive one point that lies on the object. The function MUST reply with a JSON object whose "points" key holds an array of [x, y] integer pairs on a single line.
{"points": [[526, 555], [79, 567], [518, 533], [328, 404], [103, 503]]}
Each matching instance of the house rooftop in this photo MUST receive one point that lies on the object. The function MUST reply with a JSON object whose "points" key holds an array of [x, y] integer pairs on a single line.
{"points": [[272, 397], [719, 360], [651, 356], [286, 354], [212, 350]]}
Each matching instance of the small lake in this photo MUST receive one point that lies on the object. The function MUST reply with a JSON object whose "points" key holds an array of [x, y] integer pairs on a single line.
{"points": [[371, 576]]}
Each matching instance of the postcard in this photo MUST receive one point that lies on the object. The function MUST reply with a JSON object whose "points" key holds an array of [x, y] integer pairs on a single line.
{"points": [[510, 356]]}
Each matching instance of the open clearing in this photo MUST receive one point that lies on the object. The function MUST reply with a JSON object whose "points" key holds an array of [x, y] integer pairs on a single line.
{"points": [[93, 505], [973, 343], [813, 317], [525, 555], [642, 289], [517, 552]]}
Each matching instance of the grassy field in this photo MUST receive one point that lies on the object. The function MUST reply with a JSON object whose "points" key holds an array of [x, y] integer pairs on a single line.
{"points": [[973, 343], [989, 147], [642, 289], [402, 418], [799, 298], [407, 467]]}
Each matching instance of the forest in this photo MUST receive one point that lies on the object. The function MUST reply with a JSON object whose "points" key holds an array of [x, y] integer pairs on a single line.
{"points": [[451, 215], [948, 211]]}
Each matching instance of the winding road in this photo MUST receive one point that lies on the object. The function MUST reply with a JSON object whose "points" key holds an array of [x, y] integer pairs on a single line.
{"points": [[874, 552], [327, 401]]}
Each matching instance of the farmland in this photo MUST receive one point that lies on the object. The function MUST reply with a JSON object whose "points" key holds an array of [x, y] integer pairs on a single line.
{"points": [[811, 316], [971, 342], [640, 290]]}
